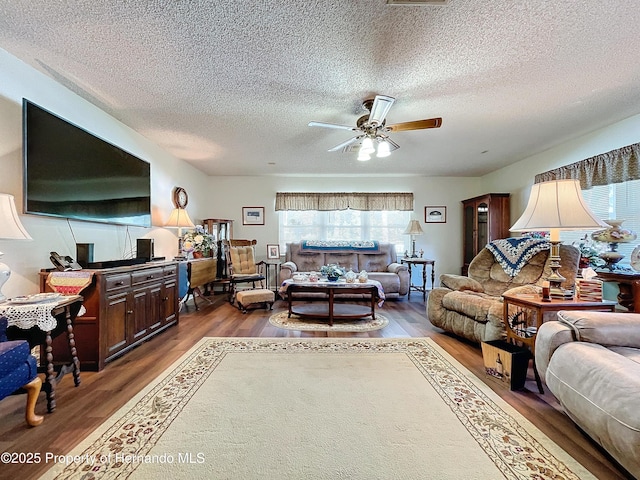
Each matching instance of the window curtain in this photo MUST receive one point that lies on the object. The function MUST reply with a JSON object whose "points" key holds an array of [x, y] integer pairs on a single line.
{"points": [[616, 166], [343, 201]]}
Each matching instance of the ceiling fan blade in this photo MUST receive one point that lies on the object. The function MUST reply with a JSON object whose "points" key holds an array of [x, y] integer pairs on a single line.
{"points": [[345, 144], [332, 125], [380, 108], [394, 145], [416, 125]]}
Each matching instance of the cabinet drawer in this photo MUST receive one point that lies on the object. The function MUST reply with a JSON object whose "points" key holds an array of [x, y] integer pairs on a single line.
{"points": [[170, 272], [146, 275], [114, 282]]}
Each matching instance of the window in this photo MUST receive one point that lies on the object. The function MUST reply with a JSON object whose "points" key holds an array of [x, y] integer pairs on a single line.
{"points": [[384, 226], [616, 201]]}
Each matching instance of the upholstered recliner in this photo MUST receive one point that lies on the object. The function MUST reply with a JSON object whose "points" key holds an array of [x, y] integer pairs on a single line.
{"points": [[591, 363], [18, 369], [472, 307]]}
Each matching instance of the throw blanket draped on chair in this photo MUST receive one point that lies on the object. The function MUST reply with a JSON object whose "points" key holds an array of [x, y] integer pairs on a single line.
{"points": [[513, 253]]}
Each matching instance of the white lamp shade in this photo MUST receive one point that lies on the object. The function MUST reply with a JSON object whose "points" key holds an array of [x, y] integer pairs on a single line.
{"points": [[10, 226], [413, 228], [557, 204], [179, 218]]}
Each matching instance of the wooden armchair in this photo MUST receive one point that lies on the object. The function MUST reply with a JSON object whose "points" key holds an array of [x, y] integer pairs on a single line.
{"points": [[243, 269]]}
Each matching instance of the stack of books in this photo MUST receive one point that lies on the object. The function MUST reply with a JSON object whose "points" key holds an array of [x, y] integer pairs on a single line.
{"points": [[589, 290], [562, 294]]}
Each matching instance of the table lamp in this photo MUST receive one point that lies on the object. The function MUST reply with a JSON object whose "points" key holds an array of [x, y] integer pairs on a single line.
{"points": [[554, 206], [10, 229], [179, 219], [413, 229]]}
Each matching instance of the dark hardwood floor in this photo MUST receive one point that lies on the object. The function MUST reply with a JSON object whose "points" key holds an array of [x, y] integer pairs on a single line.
{"points": [[80, 410]]}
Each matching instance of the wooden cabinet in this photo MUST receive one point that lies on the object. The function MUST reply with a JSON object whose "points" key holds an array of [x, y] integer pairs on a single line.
{"points": [[125, 306], [485, 218], [221, 229]]}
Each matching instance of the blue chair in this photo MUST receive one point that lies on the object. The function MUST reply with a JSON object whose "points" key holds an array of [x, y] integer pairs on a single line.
{"points": [[18, 369]]}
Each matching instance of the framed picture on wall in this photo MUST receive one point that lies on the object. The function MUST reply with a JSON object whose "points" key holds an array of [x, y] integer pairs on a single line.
{"points": [[273, 251], [253, 215], [435, 214]]}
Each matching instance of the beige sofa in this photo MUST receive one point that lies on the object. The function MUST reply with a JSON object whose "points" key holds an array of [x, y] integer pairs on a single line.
{"points": [[591, 363], [471, 307], [381, 265]]}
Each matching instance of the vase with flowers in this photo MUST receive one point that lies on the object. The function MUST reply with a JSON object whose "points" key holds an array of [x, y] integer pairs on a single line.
{"points": [[332, 271], [198, 243]]}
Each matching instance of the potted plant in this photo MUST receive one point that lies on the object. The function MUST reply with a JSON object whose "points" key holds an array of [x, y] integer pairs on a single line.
{"points": [[198, 242], [332, 271]]}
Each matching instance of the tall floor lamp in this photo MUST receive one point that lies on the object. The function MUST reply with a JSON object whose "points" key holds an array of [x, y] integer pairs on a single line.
{"points": [[179, 219], [10, 229], [554, 206]]}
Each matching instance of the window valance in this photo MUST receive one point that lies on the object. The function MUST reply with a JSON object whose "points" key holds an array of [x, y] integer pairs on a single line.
{"points": [[616, 166], [341, 201]]}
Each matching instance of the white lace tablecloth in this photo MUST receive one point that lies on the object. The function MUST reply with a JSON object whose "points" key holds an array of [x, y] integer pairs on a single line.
{"points": [[30, 315]]}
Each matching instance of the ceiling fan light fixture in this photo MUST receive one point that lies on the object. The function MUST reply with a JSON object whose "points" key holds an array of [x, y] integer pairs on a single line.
{"points": [[383, 149], [363, 156], [367, 146]]}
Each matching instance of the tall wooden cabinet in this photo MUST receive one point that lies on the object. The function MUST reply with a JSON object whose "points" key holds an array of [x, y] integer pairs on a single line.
{"points": [[221, 229], [485, 218]]}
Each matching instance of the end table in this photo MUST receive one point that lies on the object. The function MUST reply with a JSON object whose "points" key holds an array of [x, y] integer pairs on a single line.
{"points": [[526, 315], [424, 262]]}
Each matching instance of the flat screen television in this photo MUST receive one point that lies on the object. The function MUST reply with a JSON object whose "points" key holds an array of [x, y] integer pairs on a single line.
{"points": [[70, 173]]}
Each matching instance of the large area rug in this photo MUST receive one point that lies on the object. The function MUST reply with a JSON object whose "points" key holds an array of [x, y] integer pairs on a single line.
{"points": [[318, 409], [282, 320]]}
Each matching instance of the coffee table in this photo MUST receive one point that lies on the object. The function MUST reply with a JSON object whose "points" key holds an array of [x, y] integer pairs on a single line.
{"points": [[328, 308], [526, 316]]}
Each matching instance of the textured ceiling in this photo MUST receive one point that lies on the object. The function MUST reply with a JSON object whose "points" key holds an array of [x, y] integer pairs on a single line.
{"points": [[230, 86]]}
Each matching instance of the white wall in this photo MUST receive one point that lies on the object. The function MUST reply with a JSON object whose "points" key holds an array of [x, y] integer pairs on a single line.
{"points": [[17, 80], [441, 242], [518, 178]]}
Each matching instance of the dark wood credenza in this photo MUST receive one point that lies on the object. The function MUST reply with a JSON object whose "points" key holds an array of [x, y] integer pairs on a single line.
{"points": [[125, 306]]}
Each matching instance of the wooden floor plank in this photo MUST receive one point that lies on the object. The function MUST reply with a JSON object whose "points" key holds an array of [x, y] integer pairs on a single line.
{"points": [[81, 410]]}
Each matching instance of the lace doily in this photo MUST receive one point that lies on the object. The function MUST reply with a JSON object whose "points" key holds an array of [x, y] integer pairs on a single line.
{"points": [[33, 314]]}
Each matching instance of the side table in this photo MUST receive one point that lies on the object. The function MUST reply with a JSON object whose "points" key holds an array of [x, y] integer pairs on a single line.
{"points": [[526, 315], [276, 264], [63, 314], [423, 262]]}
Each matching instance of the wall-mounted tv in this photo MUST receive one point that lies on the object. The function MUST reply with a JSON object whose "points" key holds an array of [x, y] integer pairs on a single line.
{"points": [[70, 173]]}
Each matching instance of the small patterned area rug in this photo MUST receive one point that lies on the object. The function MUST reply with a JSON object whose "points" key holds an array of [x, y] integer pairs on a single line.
{"points": [[282, 320], [291, 409]]}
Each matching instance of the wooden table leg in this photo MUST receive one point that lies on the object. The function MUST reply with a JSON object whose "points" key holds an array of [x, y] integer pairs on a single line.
{"points": [[72, 347], [331, 307], [50, 378]]}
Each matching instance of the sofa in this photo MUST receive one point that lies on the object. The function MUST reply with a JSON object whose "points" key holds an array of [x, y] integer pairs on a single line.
{"points": [[471, 306], [18, 369], [591, 363], [381, 264]]}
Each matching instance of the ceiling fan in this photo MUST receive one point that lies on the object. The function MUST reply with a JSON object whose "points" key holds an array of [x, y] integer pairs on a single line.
{"points": [[372, 129]]}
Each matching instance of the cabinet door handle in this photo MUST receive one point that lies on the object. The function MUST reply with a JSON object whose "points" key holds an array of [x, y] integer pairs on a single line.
{"points": [[165, 298], [130, 312], [119, 284], [149, 277]]}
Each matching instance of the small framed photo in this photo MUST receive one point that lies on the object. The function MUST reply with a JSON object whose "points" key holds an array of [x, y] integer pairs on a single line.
{"points": [[273, 251], [253, 215], [435, 214]]}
